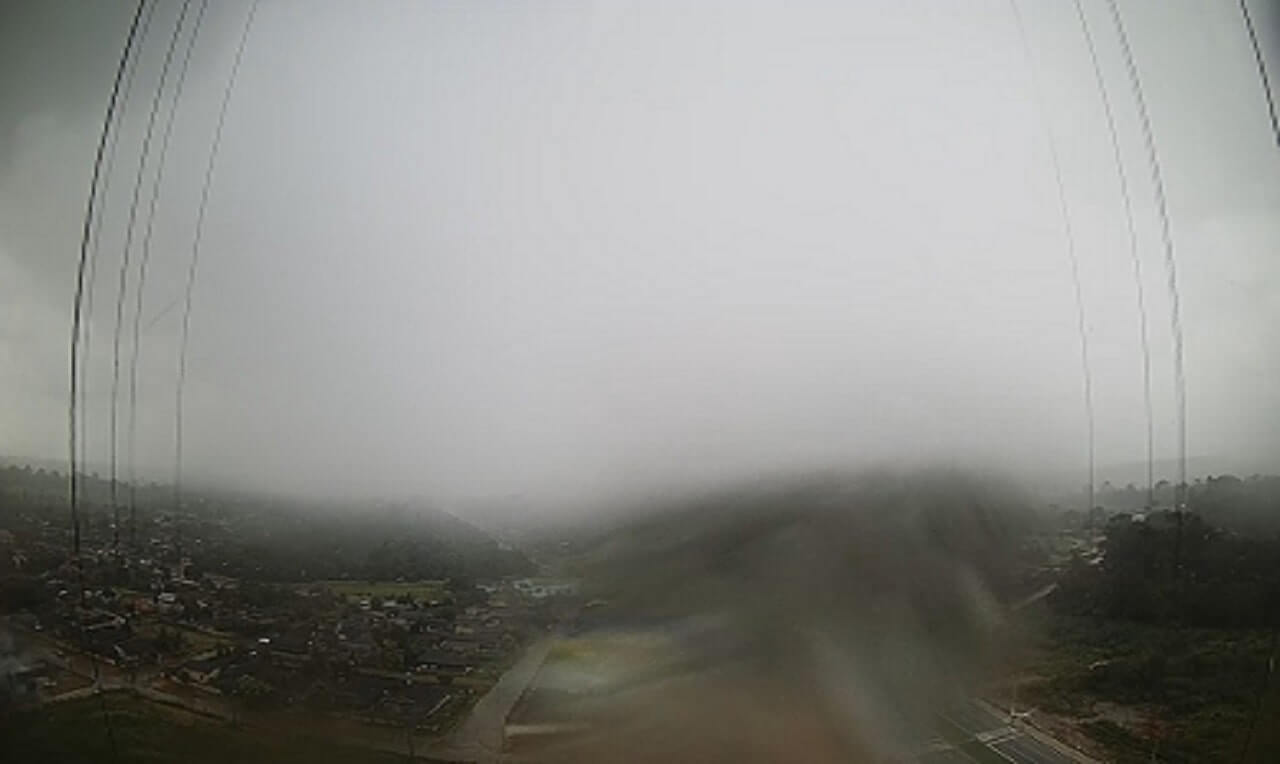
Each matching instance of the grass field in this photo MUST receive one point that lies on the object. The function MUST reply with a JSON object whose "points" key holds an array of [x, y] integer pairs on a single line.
{"points": [[419, 590], [75, 731], [196, 641]]}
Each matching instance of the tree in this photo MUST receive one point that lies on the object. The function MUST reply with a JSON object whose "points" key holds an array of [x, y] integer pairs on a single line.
{"points": [[254, 692], [319, 696], [169, 640], [22, 593]]}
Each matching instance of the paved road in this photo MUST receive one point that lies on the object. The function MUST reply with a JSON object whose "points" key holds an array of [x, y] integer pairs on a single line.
{"points": [[1028, 749], [1040, 594], [480, 738], [951, 756], [994, 731]]}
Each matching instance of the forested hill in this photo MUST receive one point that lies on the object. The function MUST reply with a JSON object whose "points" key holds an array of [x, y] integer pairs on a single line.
{"points": [[1249, 505], [264, 537]]}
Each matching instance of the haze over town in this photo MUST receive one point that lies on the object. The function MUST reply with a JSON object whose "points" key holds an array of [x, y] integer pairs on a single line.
{"points": [[621, 381], [569, 251]]}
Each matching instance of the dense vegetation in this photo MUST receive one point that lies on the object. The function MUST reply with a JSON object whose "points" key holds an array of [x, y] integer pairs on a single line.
{"points": [[1171, 569], [1175, 620], [1190, 694]]}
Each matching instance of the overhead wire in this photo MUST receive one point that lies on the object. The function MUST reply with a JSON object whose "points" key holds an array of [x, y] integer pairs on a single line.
{"points": [[1175, 304], [95, 247], [193, 266], [146, 258], [1175, 309], [159, 314], [122, 286], [1135, 259], [78, 303], [76, 319], [1072, 258], [1261, 63]]}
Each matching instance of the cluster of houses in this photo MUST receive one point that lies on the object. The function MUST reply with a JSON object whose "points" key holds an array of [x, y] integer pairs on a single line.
{"points": [[373, 657], [380, 657], [366, 654]]}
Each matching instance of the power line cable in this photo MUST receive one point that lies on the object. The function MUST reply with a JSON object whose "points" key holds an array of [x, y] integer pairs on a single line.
{"points": [[195, 262], [146, 258], [1122, 179], [77, 305], [1262, 69], [155, 319], [1175, 309], [115, 129], [1073, 260], [77, 317], [122, 287], [1175, 305]]}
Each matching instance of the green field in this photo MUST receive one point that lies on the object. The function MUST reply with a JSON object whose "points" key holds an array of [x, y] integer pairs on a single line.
{"points": [[75, 731], [194, 641], [419, 590]]}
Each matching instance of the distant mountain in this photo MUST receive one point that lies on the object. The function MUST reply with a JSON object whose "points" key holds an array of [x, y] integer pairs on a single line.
{"points": [[273, 537]]}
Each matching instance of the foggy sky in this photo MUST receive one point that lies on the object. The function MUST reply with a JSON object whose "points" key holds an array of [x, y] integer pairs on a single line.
{"points": [[566, 250]]}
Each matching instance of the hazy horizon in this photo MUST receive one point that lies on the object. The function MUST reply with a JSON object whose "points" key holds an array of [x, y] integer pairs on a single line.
{"points": [[572, 253]]}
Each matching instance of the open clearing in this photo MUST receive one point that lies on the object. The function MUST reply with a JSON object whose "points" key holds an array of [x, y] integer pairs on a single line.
{"points": [[419, 590], [144, 732]]}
